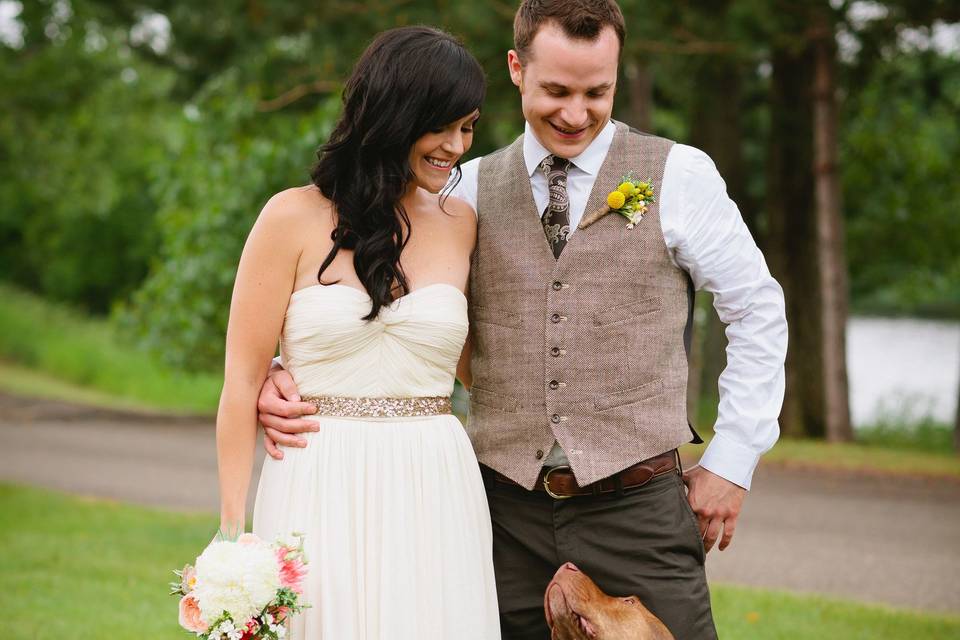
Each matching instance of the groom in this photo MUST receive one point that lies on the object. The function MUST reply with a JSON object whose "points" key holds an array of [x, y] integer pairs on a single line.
{"points": [[580, 330]]}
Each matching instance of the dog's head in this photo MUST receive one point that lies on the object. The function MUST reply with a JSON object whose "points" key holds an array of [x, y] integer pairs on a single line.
{"points": [[577, 609]]}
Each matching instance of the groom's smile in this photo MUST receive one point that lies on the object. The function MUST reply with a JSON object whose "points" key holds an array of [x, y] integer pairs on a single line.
{"points": [[568, 132], [566, 87]]}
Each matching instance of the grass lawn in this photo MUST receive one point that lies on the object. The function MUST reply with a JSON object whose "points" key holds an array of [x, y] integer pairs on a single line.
{"points": [[924, 449], [860, 457], [91, 569], [865, 457], [78, 355]]}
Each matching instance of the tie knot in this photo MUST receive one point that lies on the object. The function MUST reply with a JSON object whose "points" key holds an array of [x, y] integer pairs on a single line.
{"points": [[551, 165]]}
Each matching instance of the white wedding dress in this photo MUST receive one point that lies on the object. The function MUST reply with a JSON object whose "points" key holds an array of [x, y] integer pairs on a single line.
{"points": [[397, 527]]}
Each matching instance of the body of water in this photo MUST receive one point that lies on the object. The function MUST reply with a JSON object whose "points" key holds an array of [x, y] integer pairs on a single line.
{"points": [[902, 369]]}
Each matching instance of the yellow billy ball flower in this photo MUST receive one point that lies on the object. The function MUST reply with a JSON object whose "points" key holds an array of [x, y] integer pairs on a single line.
{"points": [[626, 188], [616, 199]]}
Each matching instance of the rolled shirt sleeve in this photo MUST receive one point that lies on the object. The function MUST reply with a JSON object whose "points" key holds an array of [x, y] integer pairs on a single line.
{"points": [[708, 238]]}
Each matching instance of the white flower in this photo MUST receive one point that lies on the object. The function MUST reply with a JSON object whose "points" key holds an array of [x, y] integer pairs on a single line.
{"points": [[278, 629], [227, 631], [239, 579], [291, 541]]}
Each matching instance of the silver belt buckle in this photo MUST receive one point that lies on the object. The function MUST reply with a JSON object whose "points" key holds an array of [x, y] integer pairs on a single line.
{"points": [[546, 482]]}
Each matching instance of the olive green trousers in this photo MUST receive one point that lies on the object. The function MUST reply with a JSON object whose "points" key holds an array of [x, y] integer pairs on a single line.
{"points": [[643, 542]]}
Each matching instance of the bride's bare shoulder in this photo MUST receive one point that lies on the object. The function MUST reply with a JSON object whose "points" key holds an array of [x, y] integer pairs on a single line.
{"points": [[298, 212], [305, 203], [462, 216], [458, 207]]}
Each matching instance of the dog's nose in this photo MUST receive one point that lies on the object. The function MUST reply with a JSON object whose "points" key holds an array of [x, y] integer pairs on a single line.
{"points": [[571, 567]]}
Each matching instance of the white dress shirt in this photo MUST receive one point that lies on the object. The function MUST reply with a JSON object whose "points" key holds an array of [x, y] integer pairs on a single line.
{"points": [[706, 237]]}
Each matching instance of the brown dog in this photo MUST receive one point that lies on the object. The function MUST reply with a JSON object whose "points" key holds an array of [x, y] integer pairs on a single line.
{"points": [[577, 609]]}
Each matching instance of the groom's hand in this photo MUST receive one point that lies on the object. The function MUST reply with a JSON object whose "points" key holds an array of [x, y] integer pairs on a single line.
{"points": [[717, 503], [281, 413]]}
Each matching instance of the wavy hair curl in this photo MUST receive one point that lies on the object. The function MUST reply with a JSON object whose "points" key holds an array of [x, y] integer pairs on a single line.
{"points": [[409, 81]]}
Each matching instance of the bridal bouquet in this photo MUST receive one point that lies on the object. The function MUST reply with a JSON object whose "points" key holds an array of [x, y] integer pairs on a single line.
{"points": [[242, 590]]}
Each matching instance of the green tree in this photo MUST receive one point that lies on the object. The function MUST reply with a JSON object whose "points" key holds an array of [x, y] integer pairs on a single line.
{"points": [[80, 136], [230, 160], [902, 143]]}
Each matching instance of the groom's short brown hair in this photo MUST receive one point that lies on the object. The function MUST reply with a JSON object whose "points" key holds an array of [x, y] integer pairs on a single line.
{"points": [[579, 19]]}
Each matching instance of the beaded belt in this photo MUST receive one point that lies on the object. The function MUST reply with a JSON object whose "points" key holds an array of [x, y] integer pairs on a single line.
{"points": [[339, 406]]}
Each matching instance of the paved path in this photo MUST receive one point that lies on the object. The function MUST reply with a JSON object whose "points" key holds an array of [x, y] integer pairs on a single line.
{"points": [[875, 539]]}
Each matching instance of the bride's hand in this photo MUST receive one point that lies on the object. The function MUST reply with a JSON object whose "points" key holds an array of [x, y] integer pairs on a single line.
{"points": [[281, 413]]}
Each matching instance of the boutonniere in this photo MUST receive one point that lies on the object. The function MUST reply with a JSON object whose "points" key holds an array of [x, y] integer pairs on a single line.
{"points": [[630, 199]]}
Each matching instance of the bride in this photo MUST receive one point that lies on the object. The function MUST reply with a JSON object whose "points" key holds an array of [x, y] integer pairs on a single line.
{"points": [[360, 277]]}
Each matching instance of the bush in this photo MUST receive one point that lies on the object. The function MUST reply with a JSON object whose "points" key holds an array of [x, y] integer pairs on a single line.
{"points": [[229, 161], [81, 132], [900, 147]]}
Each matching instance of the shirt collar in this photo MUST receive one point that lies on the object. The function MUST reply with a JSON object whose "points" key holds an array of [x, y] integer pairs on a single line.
{"points": [[589, 161]]}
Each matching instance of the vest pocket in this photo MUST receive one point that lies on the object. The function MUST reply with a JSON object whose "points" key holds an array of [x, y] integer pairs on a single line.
{"points": [[629, 396], [495, 316], [493, 400], [629, 311]]}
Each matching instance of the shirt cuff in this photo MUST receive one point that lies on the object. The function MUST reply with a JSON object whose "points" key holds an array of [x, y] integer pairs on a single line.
{"points": [[730, 460]]}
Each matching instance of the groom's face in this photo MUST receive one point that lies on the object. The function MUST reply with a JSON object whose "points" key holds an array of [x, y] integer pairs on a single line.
{"points": [[567, 87]]}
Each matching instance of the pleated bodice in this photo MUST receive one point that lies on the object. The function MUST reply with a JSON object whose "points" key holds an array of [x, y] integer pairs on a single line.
{"points": [[411, 349]]}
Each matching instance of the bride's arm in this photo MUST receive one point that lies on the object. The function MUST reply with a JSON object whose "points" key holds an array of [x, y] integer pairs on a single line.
{"points": [[265, 280]]}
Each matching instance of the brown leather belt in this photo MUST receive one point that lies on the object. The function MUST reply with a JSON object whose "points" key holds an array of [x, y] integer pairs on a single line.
{"points": [[559, 482]]}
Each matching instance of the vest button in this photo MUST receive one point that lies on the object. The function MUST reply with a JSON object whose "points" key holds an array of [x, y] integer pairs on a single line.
{"points": [[555, 318], [539, 454], [554, 384], [555, 419], [557, 285], [555, 352]]}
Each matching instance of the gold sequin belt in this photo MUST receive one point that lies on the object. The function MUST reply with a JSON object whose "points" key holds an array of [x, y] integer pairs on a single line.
{"points": [[339, 406]]}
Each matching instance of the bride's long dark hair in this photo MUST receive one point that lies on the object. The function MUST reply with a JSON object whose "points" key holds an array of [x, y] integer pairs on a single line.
{"points": [[409, 81]]}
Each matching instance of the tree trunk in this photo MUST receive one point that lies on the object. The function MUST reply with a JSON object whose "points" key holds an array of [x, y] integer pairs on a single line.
{"points": [[792, 240], [639, 94], [716, 128], [832, 265]]}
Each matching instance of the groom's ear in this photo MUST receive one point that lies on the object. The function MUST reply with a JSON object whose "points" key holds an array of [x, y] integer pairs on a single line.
{"points": [[515, 67]]}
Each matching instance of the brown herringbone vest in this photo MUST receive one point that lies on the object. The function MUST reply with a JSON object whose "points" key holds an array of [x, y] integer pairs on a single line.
{"points": [[587, 349]]}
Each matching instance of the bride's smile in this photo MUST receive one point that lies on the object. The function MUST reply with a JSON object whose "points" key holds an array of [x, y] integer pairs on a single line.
{"points": [[436, 152]]}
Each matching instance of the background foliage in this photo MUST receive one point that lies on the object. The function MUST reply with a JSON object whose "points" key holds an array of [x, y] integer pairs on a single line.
{"points": [[141, 137]]}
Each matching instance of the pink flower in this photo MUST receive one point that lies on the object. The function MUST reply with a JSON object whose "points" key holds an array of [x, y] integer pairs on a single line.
{"points": [[189, 579], [250, 631], [292, 570], [190, 615]]}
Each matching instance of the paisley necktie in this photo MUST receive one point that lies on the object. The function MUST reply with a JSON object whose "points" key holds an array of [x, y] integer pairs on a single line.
{"points": [[556, 217]]}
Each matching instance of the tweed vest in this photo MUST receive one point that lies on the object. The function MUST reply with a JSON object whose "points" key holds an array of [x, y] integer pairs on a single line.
{"points": [[588, 349]]}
